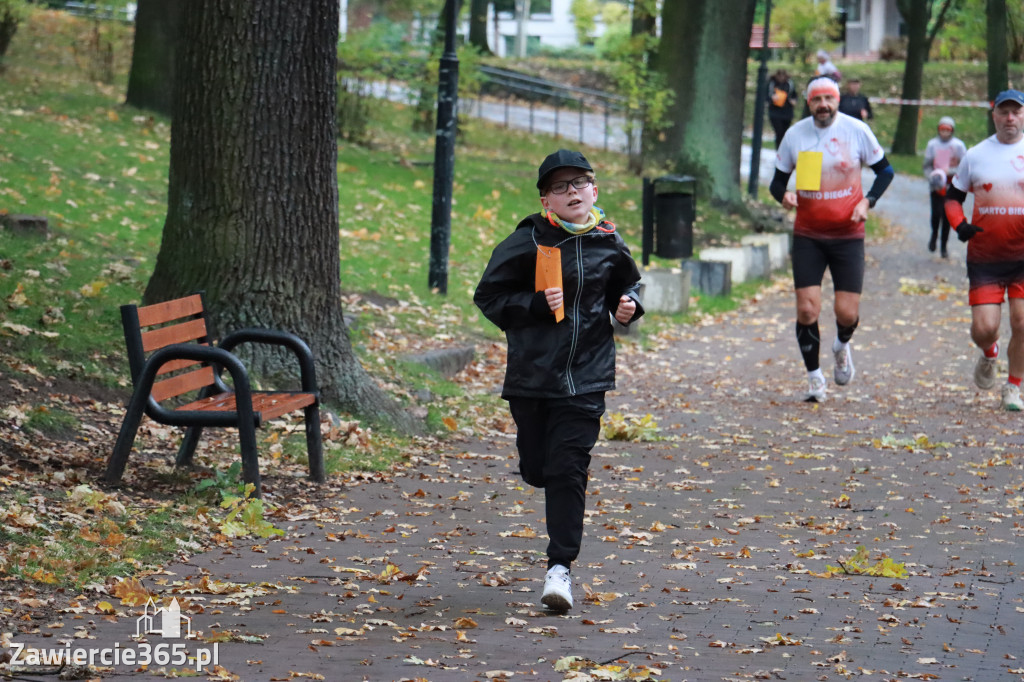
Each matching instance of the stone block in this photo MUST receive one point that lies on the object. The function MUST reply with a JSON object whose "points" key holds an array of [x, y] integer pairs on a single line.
{"points": [[713, 278], [778, 246], [25, 224], [760, 265], [738, 256], [666, 290]]}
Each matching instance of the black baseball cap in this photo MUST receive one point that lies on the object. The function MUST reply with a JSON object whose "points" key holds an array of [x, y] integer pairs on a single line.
{"points": [[1009, 96], [563, 158]]}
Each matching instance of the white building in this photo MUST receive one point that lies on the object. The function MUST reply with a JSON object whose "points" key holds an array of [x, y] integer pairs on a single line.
{"points": [[868, 24], [556, 29]]}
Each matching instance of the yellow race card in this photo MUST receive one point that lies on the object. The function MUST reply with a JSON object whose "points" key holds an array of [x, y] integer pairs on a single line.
{"points": [[549, 273], [808, 171]]}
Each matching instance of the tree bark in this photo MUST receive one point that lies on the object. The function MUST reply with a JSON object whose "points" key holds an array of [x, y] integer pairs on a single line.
{"points": [[252, 214], [707, 71], [996, 16], [936, 26], [8, 27], [915, 12], [478, 25], [643, 38], [151, 79]]}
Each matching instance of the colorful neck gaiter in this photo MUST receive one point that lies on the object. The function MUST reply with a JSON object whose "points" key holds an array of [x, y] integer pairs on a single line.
{"points": [[596, 216]]}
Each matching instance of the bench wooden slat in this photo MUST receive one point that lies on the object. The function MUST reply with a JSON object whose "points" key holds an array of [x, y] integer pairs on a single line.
{"points": [[155, 339], [159, 313], [175, 365], [182, 383], [268, 405]]}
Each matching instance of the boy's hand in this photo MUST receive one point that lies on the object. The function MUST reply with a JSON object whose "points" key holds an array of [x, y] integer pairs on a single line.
{"points": [[624, 313], [554, 298], [789, 200]]}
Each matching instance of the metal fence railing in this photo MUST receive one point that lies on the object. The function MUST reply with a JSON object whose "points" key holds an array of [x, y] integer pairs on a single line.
{"points": [[124, 12], [592, 117]]}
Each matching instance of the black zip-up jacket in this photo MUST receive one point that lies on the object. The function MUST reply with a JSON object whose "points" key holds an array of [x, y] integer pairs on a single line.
{"points": [[577, 355]]}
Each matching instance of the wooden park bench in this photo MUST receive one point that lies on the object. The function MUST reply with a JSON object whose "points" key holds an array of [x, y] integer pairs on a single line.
{"points": [[176, 377]]}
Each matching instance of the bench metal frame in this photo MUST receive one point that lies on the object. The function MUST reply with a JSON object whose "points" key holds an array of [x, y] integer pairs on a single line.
{"points": [[175, 334]]}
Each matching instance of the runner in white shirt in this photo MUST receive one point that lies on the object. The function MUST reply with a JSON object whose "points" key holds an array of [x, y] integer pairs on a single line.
{"points": [[829, 227], [994, 171]]}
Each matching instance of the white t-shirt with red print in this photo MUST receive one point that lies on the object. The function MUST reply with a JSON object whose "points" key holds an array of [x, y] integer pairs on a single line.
{"points": [[994, 172], [845, 145]]}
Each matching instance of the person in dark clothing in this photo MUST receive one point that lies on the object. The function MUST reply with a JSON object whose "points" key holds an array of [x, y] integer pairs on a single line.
{"points": [[553, 286], [780, 103], [852, 103]]}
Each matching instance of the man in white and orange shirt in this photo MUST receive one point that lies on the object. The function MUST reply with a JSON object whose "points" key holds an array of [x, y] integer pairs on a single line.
{"points": [[827, 150], [994, 171]]}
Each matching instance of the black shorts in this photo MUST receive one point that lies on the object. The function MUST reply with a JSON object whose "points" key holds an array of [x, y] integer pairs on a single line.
{"points": [[844, 258]]}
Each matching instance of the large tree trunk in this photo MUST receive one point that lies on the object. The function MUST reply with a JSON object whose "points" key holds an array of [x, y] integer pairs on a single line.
{"points": [[151, 80], [703, 54], [478, 25], [996, 16], [643, 33], [915, 12], [252, 214], [8, 27]]}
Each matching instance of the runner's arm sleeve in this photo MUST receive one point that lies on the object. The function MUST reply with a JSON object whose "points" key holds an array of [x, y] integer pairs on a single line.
{"points": [[954, 207], [778, 186], [884, 174], [955, 214]]}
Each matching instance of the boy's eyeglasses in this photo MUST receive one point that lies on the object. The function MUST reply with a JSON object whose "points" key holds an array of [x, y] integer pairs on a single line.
{"points": [[562, 186]]}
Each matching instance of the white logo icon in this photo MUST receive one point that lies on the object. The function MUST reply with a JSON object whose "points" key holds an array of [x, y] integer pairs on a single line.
{"points": [[170, 620]]}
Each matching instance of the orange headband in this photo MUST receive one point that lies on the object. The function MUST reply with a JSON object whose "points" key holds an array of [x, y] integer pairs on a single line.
{"points": [[822, 86]]}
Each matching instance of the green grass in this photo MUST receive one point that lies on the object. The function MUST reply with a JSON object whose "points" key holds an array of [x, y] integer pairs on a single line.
{"points": [[87, 551], [52, 421], [71, 151]]}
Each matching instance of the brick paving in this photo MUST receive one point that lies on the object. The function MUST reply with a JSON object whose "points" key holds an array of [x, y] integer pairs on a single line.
{"points": [[705, 552]]}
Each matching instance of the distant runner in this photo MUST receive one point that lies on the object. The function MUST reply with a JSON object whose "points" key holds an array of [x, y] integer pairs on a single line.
{"points": [[827, 151]]}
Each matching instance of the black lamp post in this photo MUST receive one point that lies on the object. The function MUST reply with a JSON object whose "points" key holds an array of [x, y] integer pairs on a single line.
{"points": [[444, 155], [761, 94], [844, 15]]}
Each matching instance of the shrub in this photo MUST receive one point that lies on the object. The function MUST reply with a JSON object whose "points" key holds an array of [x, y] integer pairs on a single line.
{"points": [[893, 49]]}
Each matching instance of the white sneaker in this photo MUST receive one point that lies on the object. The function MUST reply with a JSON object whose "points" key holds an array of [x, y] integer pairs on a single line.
{"points": [[815, 389], [985, 372], [844, 369], [557, 589], [1011, 398]]}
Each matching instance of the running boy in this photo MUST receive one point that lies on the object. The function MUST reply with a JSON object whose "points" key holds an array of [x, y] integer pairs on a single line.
{"points": [[552, 287]]}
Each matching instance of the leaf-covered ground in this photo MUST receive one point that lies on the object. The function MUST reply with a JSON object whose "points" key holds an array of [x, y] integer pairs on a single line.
{"points": [[751, 536]]}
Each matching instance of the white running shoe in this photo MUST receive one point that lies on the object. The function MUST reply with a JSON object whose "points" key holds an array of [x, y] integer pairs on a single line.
{"points": [[844, 369], [815, 389], [1011, 398], [985, 372], [557, 589]]}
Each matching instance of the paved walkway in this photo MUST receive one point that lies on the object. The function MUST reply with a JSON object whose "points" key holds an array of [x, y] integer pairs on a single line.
{"points": [[705, 552]]}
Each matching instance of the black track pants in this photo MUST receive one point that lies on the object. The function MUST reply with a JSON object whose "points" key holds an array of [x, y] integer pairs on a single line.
{"points": [[554, 439]]}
